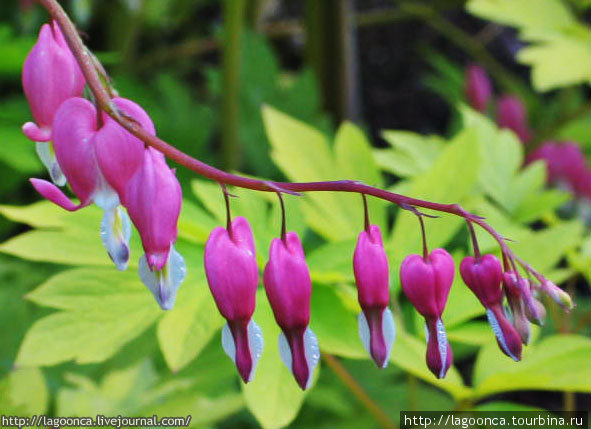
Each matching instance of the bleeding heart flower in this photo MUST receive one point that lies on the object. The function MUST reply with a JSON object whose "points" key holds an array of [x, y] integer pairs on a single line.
{"points": [[288, 286], [483, 275], [153, 199], [427, 282], [511, 114], [372, 276], [233, 277], [50, 76], [478, 87]]}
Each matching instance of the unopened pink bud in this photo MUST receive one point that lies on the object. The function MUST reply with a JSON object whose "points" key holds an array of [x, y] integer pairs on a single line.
{"points": [[233, 276], [478, 87], [372, 276], [50, 76], [289, 288]]}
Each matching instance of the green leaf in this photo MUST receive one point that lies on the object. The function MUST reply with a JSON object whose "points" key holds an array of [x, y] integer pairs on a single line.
{"points": [[411, 153], [304, 154], [273, 397], [185, 330], [558, 362], [103, 310], [505, 406], [24, 392], [334, 320]]}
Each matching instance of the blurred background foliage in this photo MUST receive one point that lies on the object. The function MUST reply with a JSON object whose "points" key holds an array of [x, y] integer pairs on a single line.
{"points": [[303, 90]]}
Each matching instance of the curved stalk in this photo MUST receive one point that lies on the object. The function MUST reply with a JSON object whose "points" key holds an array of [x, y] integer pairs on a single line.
{"points": [[102, 95]]}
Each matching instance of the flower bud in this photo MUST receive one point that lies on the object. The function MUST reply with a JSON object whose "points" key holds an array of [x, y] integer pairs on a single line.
{"points": [[153, 199], [511, 114], [478, 87], [427, 282], [289, 287], [233, 276], [558, 295], [50, 76], [517, 307], [372, 276], [483, 275]]}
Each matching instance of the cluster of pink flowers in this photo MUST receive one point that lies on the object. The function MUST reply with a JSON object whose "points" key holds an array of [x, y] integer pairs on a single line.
{"points": [[566, 164], [103, 164], [106, 165]]}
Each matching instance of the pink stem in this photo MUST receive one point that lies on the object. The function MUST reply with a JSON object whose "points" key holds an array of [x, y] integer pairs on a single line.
{"points": [[101, 93]]}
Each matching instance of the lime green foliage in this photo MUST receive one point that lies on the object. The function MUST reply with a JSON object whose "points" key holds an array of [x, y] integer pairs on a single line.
{"points": [[24, 392], [558, 49], [171, 362]]}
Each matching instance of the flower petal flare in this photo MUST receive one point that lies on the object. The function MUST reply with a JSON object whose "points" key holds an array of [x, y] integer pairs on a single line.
{"points": [[289, 288]]}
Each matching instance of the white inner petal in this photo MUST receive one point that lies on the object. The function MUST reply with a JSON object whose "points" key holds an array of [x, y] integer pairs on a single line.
{"points": [[165, 283], [312, 351], [115, 234], [389, 330], [494, 323], [442, 345], [47, 156], [284, 350], [228, 343], [256, 344], [364, 333]]}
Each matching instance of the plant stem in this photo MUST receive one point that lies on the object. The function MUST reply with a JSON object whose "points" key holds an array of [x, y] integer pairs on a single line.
{"points": [[104, 101], [356, 389], [234, 23]]}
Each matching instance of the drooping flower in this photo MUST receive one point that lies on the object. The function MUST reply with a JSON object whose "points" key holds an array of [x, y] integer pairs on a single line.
{"points": [[427, 282], [483, 275], [153, 199], [233, 276], [84, 150], [511, 114], [50, 76], [289, 287], [478, 87], [372, 276]]}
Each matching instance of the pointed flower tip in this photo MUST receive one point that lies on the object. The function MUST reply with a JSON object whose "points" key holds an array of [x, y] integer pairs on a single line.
{"points": [[299, 351], [55, 195], [243, 342], [378, 333], [509, 340], [439, 355]]}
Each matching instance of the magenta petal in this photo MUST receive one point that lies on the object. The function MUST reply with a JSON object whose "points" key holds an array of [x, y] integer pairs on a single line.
{"points": [[119, 153], [55, 195], [36, 134], [478, 87], [508, 338], [370, 265], [483, 276], [377, 331], [439, 354], [232, 271], [50, 75], [244, 361], [511, 114], [72, 134], [287, 283], [153, 200]]}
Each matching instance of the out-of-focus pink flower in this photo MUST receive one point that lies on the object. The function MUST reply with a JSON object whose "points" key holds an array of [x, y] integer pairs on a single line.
{"points": [[289, 287], [233, 277], [478, 87], [511, 114], [372, 276], [427, 282], [566, 166], [50, 77], [483, 275]]}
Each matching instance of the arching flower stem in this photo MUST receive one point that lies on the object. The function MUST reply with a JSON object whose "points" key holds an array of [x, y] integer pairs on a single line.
{"points": [[102, 91]]}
